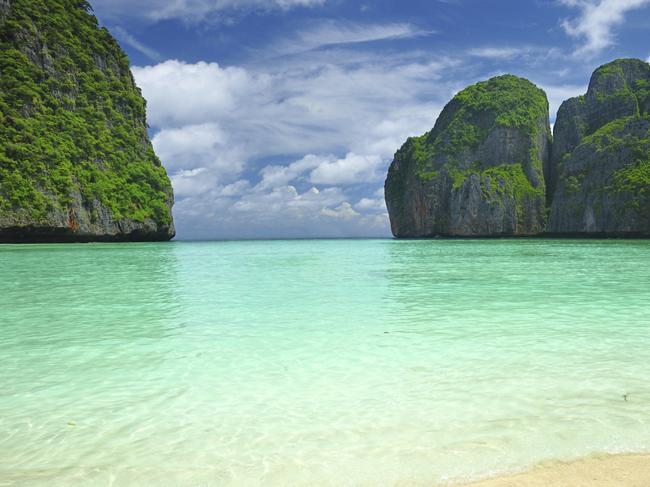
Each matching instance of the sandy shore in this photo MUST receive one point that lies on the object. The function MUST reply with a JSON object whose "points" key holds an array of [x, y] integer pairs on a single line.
{"points": [[605, 471]]}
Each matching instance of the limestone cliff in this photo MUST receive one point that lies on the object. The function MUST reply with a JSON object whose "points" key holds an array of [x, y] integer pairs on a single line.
{"points": [[480, 171], [76, 163], [600, 169]]}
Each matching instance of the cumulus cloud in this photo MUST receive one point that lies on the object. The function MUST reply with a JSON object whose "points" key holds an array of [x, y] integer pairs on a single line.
{"points": [[351, 169], [182, 93], [344, 212], [191, 10], [326, 170], [288, 141], [241, 211], [596, 22], [298, 145], [297, 107], [275, 175], [192, 146], [371, 204], [198, 157]]}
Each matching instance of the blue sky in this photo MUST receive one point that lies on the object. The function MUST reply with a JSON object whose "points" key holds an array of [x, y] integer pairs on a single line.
{"points": [[279, 118]]}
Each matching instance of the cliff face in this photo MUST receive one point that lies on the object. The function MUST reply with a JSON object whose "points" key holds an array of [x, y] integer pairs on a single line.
{"points": [[480, 171], [600, 169], [76, 163]]}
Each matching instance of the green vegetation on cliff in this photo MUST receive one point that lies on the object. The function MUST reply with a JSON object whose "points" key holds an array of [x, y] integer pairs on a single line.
{"points": [[479, 171], [504, 101], [624, 81], [629, 136], [72, 121], [514, 102], [489, 162], [602, 154]]}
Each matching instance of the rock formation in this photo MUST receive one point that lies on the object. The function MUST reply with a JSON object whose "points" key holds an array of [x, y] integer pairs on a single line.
{"points": [[600, 170], [76, 163], [479, 172], [489, 167]]}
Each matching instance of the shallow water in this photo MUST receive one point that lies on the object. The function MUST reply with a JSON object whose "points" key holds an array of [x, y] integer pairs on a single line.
{"points": [[318, 363]]}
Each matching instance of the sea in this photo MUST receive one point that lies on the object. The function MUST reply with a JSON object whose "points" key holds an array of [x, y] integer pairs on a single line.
{"points": [[315, 363]]}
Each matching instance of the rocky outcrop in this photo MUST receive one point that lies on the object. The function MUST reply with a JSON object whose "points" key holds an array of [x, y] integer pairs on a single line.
{"points": [[480, 171], [600, 168], [485, 170], [76, 162]]}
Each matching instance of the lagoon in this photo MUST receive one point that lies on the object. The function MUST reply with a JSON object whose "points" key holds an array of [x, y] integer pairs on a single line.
{"points": [[322, 362]]}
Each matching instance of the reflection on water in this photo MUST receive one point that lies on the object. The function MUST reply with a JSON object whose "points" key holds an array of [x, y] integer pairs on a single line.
{"points": [[322, 363]]}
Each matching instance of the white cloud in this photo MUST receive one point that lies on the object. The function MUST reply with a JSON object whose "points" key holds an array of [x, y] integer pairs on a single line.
{"points": [[198, 157], [351, 169], [279, 130], [344, 212], [191, 10], [298, 107], [191, 182], [181, 93], [498, 52], [596, 22], [191, 146], [331, 33], [278, 146], [130, 40], [274, 176], [371, 204], [326, 170], [240, 211]]}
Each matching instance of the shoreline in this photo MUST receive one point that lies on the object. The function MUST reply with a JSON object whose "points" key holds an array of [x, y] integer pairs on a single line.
{"points": [[619, 470]]}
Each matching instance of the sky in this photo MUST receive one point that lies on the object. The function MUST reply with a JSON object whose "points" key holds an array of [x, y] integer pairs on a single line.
{"points": [[279, 118]]}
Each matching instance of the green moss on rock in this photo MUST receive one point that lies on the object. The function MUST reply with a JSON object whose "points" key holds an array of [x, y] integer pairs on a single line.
{"points": [[601, 155], [75, 156], [479, 171]]}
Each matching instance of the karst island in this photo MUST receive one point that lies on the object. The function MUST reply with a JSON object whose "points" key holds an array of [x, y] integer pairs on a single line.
{"points": [[324, 243]]}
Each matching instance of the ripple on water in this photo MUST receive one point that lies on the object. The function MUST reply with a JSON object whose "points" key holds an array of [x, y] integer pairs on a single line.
{"points": [[326, 363]]}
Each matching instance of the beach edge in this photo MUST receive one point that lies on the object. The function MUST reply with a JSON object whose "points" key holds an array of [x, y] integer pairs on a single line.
{"points": [[606, 470]]}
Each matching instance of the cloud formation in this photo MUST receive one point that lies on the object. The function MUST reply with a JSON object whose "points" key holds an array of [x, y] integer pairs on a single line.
{"points": [[327, 33], [125, 37], [498, 52], [297, 145], [596, 22], [190, 10], [294, 134]]}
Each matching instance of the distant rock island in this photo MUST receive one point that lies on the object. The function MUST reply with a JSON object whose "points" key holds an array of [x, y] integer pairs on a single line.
{"points": [[490, 167], [76, 162], [600, 164]]}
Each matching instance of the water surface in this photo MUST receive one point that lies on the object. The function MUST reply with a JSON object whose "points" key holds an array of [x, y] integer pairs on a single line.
{"points": [[318, 363]]}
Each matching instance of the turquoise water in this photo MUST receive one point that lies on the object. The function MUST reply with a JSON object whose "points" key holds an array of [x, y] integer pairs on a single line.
{"points": [[318, 363]]}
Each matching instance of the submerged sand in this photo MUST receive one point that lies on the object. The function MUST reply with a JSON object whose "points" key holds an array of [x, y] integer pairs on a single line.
{"points": [[604, 471]]}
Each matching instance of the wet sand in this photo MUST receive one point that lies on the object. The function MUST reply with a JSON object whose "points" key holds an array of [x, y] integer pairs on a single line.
{"points": [[601, 471]]}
